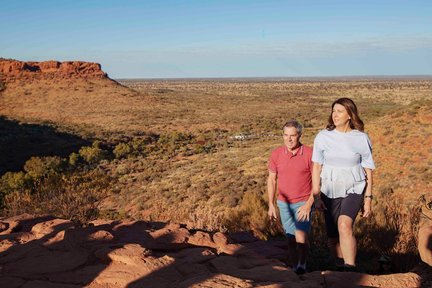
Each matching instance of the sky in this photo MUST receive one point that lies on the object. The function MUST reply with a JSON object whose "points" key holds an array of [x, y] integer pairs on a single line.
{"points": [[198, 39]]}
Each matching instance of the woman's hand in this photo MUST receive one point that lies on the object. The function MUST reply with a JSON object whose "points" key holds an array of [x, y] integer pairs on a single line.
{"points": [[367, 207], [272, 212]]}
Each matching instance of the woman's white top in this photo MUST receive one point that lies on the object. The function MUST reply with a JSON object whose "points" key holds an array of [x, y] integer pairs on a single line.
{"points": [[343, 157]]}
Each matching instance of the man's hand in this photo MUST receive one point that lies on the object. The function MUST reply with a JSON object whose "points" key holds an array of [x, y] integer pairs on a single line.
{"points": [[367, 207], [272, 212], [303, 212]]}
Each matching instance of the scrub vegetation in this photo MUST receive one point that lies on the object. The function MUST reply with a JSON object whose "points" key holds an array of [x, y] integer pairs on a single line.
{"points": [[196, 152]]}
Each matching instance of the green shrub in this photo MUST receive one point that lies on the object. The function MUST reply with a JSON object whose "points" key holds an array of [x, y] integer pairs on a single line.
{"points": [[74, 159], [74, 196], [39, 167], [93, 154], [122, 150]]}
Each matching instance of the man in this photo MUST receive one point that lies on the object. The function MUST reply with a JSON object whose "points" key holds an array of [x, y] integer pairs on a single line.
{"points": [[290, 167]]}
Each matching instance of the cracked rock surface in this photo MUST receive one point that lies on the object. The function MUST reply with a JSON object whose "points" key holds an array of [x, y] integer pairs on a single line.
{"points": [[49, 252]]}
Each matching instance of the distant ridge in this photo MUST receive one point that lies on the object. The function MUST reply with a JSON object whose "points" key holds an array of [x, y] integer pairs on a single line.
{"points": [[11, 70]]}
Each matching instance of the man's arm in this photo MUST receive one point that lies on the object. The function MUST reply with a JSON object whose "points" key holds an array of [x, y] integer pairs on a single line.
{"points": [[271, 191], [304, 211]]}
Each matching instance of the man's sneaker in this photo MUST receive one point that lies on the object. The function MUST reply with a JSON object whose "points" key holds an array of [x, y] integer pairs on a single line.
{"points": [[340, 264], [300, 270]]}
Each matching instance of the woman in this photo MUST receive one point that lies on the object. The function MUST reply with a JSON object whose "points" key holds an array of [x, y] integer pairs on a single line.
{"points": [[342, 172]]}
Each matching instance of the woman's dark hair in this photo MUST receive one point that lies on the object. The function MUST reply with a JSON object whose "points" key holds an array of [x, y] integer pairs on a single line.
{"points": [[355, 122]]}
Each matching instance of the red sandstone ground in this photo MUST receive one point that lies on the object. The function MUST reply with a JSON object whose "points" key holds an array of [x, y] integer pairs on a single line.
{"points": [[50, 252]]}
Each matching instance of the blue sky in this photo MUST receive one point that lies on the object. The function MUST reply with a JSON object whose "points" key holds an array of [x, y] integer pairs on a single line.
{"points": [[170, 39]]}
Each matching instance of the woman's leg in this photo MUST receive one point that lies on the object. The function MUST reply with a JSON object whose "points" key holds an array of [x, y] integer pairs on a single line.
{"points": [[350, 207], [331, 214], [334, 247], [347, 241]]}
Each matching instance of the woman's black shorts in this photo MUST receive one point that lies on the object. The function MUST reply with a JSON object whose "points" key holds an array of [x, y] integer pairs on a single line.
{"points": [[349, 206]]}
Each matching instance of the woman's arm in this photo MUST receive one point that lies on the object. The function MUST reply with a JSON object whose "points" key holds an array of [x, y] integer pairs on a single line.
{"points": [[367, 208], [316, 186]]}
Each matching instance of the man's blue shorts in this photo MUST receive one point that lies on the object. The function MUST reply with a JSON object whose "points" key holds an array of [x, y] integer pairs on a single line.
{"points": [[288, 215]]}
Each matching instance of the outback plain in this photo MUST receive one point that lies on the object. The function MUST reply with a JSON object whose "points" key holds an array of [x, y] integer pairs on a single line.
{"points": [[195, 152]]}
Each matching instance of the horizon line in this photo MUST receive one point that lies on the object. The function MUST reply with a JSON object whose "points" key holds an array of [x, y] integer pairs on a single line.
{"points": [[352, 77]]}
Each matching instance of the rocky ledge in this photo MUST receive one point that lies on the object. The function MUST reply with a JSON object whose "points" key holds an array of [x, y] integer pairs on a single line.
{"points": [[51, 252], [13, 69]]}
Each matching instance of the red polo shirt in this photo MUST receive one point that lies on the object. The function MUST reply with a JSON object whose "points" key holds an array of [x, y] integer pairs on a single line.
{"points": [[294, 173]]}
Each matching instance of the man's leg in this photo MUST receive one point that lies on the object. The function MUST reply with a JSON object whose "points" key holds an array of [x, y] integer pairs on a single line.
{"points": [[292, 251], [288, 223], [302, 246], [301, 235]]}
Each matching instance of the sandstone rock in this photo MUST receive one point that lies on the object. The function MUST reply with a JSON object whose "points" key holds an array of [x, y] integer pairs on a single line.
{"points": [[11, 225], [11, 282], [5, 245], [4, 226], [351, 279], [118, 274], [80, 276], [48, 252], [216, 281], [195, 255], [262, 270], [129, 254], [243, 237], [171, 237], [45, 284], [46, 262], [220, 239], [43, 229], [201, 239], [13, 69]]}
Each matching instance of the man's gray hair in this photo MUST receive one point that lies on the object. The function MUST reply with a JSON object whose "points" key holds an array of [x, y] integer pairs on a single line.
{"points": [[294, 123]]}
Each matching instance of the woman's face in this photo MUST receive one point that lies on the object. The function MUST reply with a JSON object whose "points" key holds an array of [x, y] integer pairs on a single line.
{"points": [[340, 115]]}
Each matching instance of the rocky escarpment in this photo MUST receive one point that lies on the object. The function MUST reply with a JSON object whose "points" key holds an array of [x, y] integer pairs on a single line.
{"points": [[50, 252], [11, 70]]}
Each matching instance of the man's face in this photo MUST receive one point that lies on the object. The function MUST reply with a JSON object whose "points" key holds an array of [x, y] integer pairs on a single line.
{"points": [[291, 137]]}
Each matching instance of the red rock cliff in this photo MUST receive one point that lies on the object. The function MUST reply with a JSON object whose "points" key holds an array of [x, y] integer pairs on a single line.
{"points": [[14, 69]]}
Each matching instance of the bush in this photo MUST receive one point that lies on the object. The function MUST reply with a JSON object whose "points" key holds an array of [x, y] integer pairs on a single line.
{"points": [[251, 213], [75, 197], [93, 154], [122, 150], [74, 159], [39, 167], [11, 182]]}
